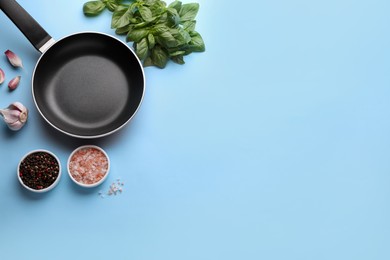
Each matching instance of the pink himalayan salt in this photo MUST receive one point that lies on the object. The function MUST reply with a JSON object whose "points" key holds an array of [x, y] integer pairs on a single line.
{"points": [[88, 165]]}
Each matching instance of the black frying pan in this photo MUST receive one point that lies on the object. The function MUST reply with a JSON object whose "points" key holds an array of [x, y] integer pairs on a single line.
{"points": [[86, 84]]}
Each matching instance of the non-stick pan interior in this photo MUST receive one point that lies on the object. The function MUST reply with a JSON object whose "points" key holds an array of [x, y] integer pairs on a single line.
{"points": [[88, 85]]}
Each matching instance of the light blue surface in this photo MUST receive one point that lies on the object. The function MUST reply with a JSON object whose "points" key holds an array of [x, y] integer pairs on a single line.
{"points": [[273, 144]]}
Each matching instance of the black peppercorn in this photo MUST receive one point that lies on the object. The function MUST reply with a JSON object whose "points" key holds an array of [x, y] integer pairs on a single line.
{"points": [[39, 170]]}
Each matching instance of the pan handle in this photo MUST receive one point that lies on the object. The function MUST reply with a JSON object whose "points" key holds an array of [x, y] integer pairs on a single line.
{"points": [[38, 37]]}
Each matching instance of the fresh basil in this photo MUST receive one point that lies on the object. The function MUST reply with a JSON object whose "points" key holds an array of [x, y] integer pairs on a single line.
{"points": [[189, 26], [124, 30], [137, 35], [196, 44], [178, 59], [159, 56], [167, 40], [175, 5], [93, 8], [177, 53], [151, 41], [188, 12], [159, 32], [145, 13], [158, 8], [112, 4], [121, 17], [173, 17], [142, 48]]}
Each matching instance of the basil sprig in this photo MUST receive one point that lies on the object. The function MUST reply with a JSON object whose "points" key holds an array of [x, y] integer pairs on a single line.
{"points": [[159, 32]]}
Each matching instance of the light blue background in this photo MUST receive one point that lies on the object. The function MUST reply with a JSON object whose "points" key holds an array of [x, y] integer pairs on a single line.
{"points": [[273, 144]]}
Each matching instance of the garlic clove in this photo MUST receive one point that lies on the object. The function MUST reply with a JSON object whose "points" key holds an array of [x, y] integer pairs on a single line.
{"points": [[15, 126], [14, 83], [2, 76], [15, 115], [13, 59], [10, 116], [23, 111]]}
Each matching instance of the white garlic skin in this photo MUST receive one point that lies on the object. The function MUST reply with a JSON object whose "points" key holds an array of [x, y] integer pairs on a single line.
{"points": [[14, 59], [15, 115]]}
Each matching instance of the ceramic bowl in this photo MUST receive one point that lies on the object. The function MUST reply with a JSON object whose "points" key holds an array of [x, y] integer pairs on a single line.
{"points": [[39, 171], [88, 166]]}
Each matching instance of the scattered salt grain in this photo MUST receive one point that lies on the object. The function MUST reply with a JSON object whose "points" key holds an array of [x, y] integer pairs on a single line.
{"points": [[114, 189]]}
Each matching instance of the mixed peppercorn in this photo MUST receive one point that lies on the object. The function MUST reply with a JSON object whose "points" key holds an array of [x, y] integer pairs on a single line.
{"points": [[39, 170]]}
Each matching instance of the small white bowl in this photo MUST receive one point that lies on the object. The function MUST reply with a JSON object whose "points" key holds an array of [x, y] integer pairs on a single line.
{"points": [[76, 153], [51, 186]]}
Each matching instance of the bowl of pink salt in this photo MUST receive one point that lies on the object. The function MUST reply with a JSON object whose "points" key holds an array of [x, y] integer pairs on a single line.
{"points": [[88, 166]]}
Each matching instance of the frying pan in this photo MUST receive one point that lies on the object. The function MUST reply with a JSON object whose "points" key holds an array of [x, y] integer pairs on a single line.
{"points": [[87, 84]]}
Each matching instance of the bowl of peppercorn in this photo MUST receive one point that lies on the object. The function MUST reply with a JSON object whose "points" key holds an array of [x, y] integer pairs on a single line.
{"points": [[39, 171]]}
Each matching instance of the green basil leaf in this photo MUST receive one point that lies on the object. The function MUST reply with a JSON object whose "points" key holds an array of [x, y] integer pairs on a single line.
{"points": [[148, 62], [141, 49], [173, 17], [176, 5], [151, 41], [182, 37], [124, 30], [189, 26], [159, 29], [141, 25], [150, 2], [136, 35], [177, 53], [93, 8], [163, 18], [172, 11], [196, 44], [144, 24], [189, 11], [145, 13], [135, 20], [158, 8], [133, 7], [168, 40], [159, 57], [120, 17], [111, 4], [178, 59]]}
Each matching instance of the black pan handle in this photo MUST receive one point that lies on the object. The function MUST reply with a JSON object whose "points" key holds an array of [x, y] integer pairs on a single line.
{"points": [[38, 37]]}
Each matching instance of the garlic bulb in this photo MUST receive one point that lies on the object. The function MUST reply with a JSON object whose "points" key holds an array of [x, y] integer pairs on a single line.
{"points": [[15, 115]]}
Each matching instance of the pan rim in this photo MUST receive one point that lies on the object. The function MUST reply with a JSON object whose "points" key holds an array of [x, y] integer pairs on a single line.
{"points": [[80, 135]]}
